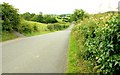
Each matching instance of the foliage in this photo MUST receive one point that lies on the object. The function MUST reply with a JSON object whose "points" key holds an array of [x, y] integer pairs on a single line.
{"points": [[49, 19], [30, 27], [76, 64], [64, 17], [23, 23], [39, 18], [28, 16], [78, 14], [6, 35], [101, 37], [57, 26], [34, 18], [10, 17], [108, 51]]}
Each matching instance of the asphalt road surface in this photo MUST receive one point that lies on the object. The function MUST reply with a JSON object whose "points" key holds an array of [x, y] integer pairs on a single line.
{"points": [[38, 54]]}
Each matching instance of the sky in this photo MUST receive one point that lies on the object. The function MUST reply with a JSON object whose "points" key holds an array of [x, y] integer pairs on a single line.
{"points": [[62, 6]]}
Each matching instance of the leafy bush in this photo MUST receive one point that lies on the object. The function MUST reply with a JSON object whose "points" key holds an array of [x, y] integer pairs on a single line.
{"points": [[101, 38], [57, 26], [28, 16], [30, 27], [108, 46], [49, 19], [78, 14], [6, 35], [10, 17], [50, 27]]}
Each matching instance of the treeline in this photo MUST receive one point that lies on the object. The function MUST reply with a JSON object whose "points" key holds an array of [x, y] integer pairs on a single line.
{"points": [[78, 14], [39, 18]]}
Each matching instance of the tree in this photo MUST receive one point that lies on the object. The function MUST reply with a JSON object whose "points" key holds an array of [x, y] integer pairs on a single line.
{"points": [[10, 17], [28, 16], [40, 17], [78, 14], [44, 18], [49, 19], [35, 18]]}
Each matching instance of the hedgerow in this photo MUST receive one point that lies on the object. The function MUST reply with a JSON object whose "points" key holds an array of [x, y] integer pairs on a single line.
{"points": [[57, 26], [101, 43]]}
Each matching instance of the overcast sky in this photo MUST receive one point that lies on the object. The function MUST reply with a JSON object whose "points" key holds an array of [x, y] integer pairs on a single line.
{"points": [[62, 6]]}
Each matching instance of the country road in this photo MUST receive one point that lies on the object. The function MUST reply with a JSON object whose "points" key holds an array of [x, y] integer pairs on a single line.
{"points": [[45, 53]]}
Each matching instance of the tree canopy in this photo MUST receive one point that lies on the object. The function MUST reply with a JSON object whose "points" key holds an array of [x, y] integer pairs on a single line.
{"points": [[10, 17], [78, 14]]}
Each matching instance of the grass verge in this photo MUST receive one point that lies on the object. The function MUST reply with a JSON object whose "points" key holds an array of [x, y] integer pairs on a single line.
{"points": [[76, 64], [7, 36]]}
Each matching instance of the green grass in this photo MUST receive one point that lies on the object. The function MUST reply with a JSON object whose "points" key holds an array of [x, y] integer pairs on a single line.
{"points": [[7, 36], [76, 64], [72, 57]]}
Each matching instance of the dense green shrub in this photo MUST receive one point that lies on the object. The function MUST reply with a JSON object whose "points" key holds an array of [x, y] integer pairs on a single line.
{"points": [[104, 47], [50, 27], [30, 27], [27, 16], [10, 17], [36, 28], [101, 39], [39, 18], [78, 14], [25, 27], [49, 19], [57, 26], [109, 47]]}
